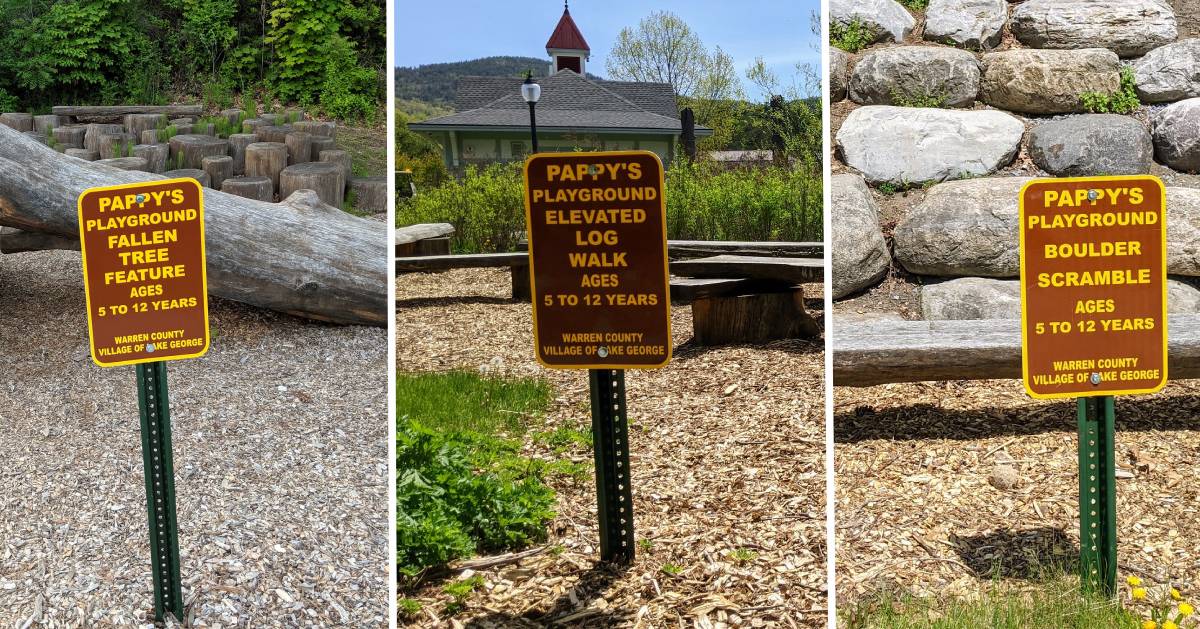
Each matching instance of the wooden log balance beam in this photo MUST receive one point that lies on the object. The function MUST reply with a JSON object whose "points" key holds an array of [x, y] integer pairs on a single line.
{"points": [[884, 352], [299, 256]]}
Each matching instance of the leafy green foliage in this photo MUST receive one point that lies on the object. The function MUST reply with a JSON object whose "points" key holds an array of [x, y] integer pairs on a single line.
{"points": [[409, 607], [1124, 101], [302, 33], [485, 206], [915, 5], [459, 591], [918, 99], [460, 493], [350, 91], [852, 36]]}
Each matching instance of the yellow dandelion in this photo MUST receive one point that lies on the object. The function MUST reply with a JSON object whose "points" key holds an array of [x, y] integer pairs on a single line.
{"points": [[1134, 581], [1139, 593], [1186, 609], [1149, 624], [1176, 595], [1169, 625]]}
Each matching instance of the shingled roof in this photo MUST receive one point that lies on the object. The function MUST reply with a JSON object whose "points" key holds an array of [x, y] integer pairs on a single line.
{"points": [[568, 101]]}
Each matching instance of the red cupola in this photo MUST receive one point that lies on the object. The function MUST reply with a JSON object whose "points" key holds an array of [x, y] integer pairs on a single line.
{"points": [[566, 45]]}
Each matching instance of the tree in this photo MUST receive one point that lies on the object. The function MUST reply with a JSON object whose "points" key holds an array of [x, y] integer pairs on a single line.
{"points": [[664, 49]]}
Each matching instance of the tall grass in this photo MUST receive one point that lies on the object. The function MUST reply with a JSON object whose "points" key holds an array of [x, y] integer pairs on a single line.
{"points": [[486, 205]]}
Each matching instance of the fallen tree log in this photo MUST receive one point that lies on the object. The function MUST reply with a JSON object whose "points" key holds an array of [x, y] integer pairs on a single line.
{"points": [[117, 112], [300, 256], [17, 241]]}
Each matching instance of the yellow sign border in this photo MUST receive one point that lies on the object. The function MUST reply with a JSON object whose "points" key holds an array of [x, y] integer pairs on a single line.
{"points": [[1024, 323], [662, 204], [203, 269]]}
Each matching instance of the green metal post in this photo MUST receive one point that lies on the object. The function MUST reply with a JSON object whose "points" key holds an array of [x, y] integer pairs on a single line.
{"points": [[160, 489], [610, 439], [1097, 494]]}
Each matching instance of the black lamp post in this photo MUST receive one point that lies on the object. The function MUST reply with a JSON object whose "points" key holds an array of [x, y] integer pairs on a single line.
{"points": [[531, 92]]}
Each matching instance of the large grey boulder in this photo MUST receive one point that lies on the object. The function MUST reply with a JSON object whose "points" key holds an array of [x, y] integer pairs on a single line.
{"points": [[970, 228], [1092, 144], [963, 228], [970, 23], [839, 62], [1126, 27], [971, 298], [900, 75], [887, 18], [1169, 73], [905, 145], [859, 253], [1176, 131], [1047, 81], [1183, 231]]}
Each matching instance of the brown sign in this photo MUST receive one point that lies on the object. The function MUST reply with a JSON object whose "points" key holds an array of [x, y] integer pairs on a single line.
{"points": [[598, 259], [1093, 286], [144, 271]]}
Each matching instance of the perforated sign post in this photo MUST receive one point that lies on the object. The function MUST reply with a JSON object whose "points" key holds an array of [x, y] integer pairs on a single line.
{"points": [[1094, 324], [147, 302], [601, 297]]}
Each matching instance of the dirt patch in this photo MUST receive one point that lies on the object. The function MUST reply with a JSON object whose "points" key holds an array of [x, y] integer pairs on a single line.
{"points": [[280, 448], [727, 452], [920, 507], [1187, 17]]}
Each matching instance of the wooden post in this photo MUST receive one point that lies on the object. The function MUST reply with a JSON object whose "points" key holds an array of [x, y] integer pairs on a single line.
{"points": [[688, 119]]}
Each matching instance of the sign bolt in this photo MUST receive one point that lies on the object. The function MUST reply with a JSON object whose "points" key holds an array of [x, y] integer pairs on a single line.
{"points": [[602, 352], [1095, 379], [1093, 195]]}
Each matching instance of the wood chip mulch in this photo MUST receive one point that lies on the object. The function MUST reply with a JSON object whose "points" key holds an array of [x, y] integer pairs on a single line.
{"points": [[727, 452], [942, 487]]}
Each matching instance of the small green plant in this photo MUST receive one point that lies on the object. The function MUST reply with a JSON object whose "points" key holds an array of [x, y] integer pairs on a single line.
{"points": [[459, 591], [409, 608], [249, 106], [887, 189], [166, 133], [578, 472], [565, 438], [743, 555], [918, 99], [646, 544], [557, 550], [671, 569], [915, 5], [851, 37], [1124, 101], [51, 141], [178, 160]]}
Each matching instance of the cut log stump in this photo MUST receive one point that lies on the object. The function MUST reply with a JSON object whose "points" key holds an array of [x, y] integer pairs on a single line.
{"points": [[320, 143], [182, 120], [125, 163], [69, 137], [91, 137], [250, 125], [273, 133], [219, 168], [149, 136], [299, 257], [232, 115], [113, 145], [17, 120], [323, 178], [752, 318], [271, 119], [190, 173], [137, 123], [237, 150], [257, 188], [183, 128], [370, 193], [266, 159], [194, 148], [84, 154], [154, 154], [299, 146], [521, 288], [44, 123], [322, 129], [339, 157]]}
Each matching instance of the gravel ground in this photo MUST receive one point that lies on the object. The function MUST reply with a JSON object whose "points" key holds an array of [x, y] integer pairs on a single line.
{"points": [[726, 449], [280, 444], [944, 486]]}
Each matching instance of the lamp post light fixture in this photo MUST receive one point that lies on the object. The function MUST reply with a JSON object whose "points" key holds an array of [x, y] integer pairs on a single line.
{"points": [[531, 92]]}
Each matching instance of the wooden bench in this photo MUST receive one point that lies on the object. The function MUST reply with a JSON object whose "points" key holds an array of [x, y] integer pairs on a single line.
{"points": [[868, 354], [763, 305], [424, 239]]}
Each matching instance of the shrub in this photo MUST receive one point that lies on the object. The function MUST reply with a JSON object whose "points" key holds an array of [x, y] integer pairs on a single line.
{"points": [[350, 91], [851, 37], [301, 32], [1124, 101], [462, 493], [486, 207]]}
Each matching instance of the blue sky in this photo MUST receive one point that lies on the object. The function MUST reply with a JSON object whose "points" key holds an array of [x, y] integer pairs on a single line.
{"points": [[437, 32]]}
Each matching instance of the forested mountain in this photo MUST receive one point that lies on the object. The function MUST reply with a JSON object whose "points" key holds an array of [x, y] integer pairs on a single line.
{"points": [[435, 82]]}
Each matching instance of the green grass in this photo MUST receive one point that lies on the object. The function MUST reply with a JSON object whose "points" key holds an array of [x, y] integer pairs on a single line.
{"points": [[1055, 602], [918, 100], [1124, 101], [367, 147], [459, 401]]}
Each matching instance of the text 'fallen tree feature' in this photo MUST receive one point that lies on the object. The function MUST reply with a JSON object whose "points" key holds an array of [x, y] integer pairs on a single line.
{"points": [[144, 272]]}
